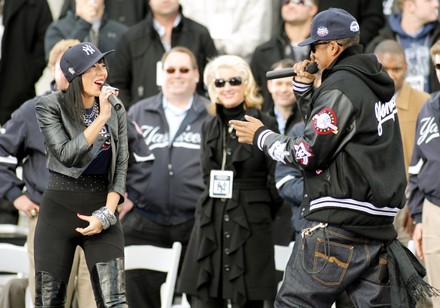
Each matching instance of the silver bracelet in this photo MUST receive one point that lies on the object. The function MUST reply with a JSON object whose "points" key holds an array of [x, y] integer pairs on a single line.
{"points": [[109, 215], [105, 217]]}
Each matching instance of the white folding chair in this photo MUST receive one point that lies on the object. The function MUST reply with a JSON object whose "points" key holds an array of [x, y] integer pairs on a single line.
{"points": [[14, 260], [157, 259], [282, 255]]}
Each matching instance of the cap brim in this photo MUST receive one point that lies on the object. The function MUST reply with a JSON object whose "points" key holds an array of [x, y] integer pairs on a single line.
{"points": [[307, 42], [94, 60]]}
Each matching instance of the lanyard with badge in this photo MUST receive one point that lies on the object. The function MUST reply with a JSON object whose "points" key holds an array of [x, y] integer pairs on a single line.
{"points": [[221, 180]]}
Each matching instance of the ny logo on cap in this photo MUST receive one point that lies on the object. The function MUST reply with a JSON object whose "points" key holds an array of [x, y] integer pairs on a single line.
{"points": [[88, 49]]}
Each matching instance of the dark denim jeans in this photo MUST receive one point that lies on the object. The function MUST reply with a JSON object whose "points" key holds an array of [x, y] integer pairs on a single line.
{"points": [[329, 260]]}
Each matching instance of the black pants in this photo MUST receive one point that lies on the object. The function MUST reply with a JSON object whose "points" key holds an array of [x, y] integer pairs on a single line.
{"points": [[143, 287], [56, 238]]}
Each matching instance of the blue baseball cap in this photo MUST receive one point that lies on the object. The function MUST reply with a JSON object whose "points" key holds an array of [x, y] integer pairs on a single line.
{"points": [[332, 24], [79, 58]]}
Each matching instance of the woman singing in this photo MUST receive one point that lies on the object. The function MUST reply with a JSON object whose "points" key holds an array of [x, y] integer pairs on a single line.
{"points": [[86, 140]]}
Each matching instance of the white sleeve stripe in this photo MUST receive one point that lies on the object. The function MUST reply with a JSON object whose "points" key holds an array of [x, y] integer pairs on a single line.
{"points": [[300, 87], [139, 158], [262, 137], [284, 180], [9, 160], [416, 169]]}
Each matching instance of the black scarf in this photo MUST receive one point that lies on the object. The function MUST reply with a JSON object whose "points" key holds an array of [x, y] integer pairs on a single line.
{"points": [[406, 277]]}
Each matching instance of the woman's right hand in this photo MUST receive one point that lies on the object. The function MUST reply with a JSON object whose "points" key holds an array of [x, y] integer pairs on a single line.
{"points": [[94, 226]]}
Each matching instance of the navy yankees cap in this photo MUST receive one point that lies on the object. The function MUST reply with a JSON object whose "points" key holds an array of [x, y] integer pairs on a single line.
{"points": [[332, 24], [79, 58]]}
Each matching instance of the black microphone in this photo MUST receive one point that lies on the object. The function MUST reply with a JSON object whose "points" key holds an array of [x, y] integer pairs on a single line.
{"points": [[116, 103], [311, 68]]}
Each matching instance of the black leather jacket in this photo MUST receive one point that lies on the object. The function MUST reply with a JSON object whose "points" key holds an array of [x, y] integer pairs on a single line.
{"points": [[68, 151]]}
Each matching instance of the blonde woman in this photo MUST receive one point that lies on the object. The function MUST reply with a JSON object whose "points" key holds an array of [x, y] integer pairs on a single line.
{"points": [[229, 259]]}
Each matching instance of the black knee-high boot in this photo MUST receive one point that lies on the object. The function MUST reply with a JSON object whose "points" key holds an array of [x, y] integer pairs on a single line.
{"points": [[50, 292], [108, 281]]}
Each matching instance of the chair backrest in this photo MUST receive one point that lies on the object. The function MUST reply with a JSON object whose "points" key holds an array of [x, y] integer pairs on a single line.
{"points": [[282, 255], [14, 259], [157, 259]]}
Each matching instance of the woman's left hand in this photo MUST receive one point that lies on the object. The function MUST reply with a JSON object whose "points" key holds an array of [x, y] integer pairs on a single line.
{"points": [[93, 228]]}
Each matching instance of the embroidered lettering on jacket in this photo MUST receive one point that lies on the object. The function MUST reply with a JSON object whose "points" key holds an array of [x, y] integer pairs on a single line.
{"points": [[302, 153], [428, 130], [385, 112], [324, 122], [155, 139]]}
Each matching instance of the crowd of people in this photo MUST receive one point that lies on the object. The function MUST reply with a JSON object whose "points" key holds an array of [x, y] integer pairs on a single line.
{"points": [[203, 149]]}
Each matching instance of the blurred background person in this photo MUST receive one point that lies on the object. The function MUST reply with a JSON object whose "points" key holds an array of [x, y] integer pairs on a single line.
{"points": [[416, 28], [424, 200], [87, 23], [234, 214], [237, 27], [296, 16], [22, 27], [159, 208], [136, 70], [409, 101], [128, 12], [22, 61]]}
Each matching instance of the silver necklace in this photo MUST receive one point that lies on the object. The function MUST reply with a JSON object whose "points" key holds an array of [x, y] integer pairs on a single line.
{"points": [[89, 118]]}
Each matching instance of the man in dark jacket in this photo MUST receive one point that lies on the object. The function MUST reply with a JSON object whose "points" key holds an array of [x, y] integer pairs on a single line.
{"points": [[354, 177], [136, 69], [22, 62], [297, 16], [128, 12], [163, 188], [22, 51], [87, 23]]}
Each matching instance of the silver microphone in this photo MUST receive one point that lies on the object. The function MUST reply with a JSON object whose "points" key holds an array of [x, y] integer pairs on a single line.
{"points": [[116, 103]]}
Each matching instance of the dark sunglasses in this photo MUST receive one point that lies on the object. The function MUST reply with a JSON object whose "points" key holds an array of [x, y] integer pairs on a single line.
{"points": [[313, 45], [172, 70], [234, 81], [298, 2], [437, 66]]}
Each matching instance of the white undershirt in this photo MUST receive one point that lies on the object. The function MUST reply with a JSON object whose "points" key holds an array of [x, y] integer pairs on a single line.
{"points": [[175, 116]]}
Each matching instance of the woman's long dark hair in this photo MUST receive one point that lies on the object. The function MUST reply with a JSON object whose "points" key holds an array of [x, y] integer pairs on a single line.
{"points": [[73, 100]]}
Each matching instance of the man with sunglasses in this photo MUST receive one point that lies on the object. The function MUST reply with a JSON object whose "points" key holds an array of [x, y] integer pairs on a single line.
{"points": [[354, 176], [163, 188], [297, 16]]}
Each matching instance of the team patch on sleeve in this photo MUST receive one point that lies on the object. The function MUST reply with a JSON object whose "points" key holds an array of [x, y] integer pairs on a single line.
{"points": [[302, 153], [324, 122]]}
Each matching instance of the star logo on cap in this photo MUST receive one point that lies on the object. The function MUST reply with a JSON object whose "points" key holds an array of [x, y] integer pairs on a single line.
{"points": [[322, 31]]}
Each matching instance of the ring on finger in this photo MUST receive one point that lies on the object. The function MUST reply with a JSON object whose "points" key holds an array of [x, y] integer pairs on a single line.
{"points": [[33, 213]]}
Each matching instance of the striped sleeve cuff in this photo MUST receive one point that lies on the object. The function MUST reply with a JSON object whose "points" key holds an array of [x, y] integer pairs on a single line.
{"points": [[261, 136], [300, 87]]}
